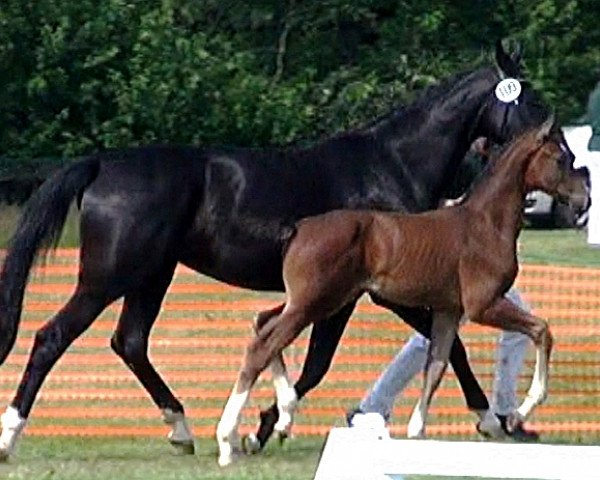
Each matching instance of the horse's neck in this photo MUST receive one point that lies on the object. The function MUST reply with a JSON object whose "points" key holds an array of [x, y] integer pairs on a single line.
{"points": [[429, 144], [498, 197]]}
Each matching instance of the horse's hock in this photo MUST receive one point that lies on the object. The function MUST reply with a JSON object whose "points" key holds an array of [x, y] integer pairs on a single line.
{"points": [[203, 329]]}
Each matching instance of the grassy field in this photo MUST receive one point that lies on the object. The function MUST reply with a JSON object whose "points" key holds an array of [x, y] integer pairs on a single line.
{"points": [[151, 458]]}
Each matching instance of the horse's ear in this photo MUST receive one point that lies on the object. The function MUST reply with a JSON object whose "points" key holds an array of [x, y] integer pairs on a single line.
{"points": [[509, 66], [544, 130], [517, 55]]}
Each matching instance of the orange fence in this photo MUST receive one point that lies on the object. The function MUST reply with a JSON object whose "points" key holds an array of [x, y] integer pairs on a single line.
{"points": [[204, 325]]}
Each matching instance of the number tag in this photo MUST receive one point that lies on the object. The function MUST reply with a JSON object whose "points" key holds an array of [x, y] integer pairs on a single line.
{"points": [[508, 90]]}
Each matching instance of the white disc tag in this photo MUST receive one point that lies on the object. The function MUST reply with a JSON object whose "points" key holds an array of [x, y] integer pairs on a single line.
{"points": [[508, 90]]}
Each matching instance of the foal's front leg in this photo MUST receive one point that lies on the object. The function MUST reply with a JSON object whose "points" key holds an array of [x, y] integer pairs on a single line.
{"points": [[443, 331], [506, 315]]}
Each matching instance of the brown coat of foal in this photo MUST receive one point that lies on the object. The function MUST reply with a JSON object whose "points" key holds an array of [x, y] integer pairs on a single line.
{"points": [[458, 260]]}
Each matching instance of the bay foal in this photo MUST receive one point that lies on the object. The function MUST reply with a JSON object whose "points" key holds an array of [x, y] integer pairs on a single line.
{"points": [[459, 261]]}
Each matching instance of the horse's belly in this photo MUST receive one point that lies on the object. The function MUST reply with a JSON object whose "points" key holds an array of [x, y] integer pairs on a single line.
{"points": [[256, 266]]}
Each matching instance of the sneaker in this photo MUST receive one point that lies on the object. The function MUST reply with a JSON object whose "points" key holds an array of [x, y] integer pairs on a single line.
{"points": [[350, 415], [358, 418], [518, 432]]}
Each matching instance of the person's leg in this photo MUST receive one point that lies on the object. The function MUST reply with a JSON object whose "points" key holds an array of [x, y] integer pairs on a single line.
{"points": [[409, 361], [510, 356]]}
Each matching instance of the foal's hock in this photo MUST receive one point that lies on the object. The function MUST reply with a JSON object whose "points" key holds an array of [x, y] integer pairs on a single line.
{"points": [[459, 261]]}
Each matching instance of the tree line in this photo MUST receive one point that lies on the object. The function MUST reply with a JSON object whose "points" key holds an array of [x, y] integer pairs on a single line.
{"points": [[78, 77]]}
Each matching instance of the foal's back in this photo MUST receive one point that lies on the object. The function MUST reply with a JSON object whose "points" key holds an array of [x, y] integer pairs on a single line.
{"points": [[411, 259]]}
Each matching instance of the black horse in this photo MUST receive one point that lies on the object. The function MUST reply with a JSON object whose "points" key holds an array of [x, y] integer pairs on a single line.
{"points": [[222, 211]]}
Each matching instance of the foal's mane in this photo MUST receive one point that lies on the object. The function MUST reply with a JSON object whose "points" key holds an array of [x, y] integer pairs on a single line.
{"points": [[494, 162]]}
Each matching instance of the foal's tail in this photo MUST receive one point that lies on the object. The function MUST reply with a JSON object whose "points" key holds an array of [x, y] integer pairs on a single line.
{"points": [[39, 227]]}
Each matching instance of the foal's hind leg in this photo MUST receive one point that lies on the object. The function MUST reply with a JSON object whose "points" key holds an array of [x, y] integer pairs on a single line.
{"points": [[324, 339], [286, 398], [443, 332], [270, 340], [50, 343], [130, 342]]}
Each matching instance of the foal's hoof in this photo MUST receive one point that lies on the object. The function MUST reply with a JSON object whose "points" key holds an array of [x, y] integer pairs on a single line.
{"points": [[183, 448], [226, 459], [250, 444], [4, 455]]}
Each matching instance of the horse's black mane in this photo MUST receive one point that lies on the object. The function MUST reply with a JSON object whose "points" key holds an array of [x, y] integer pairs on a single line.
{"points": [[424, 99]]}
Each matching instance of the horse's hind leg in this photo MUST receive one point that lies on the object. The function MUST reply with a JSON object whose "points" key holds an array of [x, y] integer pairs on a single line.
{"points": [[421, 319], [443, 332], [324, 339], [130, 342], [50, 343]]}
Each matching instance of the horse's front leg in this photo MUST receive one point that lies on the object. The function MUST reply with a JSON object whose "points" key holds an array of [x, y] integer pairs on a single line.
{"points": [[443, 330], [325, 337], [506, 315]]}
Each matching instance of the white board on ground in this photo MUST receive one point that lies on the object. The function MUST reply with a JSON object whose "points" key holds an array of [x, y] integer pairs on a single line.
{"points": [[356, 454]]}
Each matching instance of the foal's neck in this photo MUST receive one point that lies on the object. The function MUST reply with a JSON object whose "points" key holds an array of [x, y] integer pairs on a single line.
{"points": [[499, 196]]}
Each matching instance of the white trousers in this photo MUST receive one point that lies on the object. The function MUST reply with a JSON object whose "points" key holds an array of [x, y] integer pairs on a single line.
{"points": [[410, 360]]}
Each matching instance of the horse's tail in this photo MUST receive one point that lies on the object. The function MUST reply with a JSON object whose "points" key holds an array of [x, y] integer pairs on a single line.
{"points": [[40, 226]]}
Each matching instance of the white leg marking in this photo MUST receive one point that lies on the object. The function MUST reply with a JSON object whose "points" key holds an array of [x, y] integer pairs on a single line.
{"points": [[180, 434], [416, 424], [12, 426], [287, 400], [227, 434], [539, 384]]}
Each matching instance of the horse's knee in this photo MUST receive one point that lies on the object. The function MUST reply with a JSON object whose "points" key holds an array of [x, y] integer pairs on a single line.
{"points": [[131, 350], [541, 334], [48, 344]]}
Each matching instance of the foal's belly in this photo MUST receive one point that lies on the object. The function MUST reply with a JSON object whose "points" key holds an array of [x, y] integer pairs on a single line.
{"points": [[415, 290]]}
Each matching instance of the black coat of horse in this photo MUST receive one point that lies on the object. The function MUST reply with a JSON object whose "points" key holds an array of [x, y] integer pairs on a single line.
{"points": [[222, 211]]}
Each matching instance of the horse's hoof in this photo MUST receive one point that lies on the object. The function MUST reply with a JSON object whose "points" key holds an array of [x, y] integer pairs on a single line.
{"points": [[4, 455], [183, 448], [250, 444], [282, 436]]}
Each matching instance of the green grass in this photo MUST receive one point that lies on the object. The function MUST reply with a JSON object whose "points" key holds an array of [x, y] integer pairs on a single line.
{"points": [[558, 247], [80, 458], [153, 459]]}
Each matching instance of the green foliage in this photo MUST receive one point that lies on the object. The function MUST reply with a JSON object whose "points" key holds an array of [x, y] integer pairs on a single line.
{"points": [[77, 77]]}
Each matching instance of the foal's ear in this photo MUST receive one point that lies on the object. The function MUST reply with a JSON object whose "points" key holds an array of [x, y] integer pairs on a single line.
{"points": [[508, 65], [544, 130]]}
